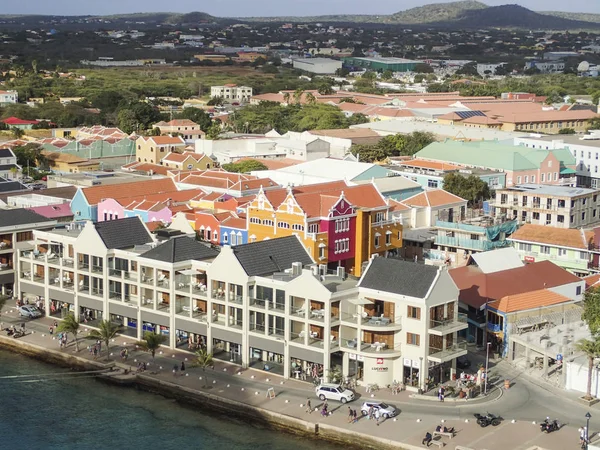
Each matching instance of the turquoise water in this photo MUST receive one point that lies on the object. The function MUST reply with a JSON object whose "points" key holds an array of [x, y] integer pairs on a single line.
{"points": [[86, 414]]}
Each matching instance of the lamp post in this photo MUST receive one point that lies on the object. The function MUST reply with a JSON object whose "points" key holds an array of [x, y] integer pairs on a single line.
{"points": [[487, 362], [588, 416], [421, 374]]}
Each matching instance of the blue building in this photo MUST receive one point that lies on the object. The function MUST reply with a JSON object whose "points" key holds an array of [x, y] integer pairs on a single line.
{"points": [[234, 231]]}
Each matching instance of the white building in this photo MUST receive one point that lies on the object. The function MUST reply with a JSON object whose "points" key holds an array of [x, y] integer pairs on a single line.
{"points": [[8, 97], [490, 68], [323, 66], [585, 149], [264, 304], [232, 92]]}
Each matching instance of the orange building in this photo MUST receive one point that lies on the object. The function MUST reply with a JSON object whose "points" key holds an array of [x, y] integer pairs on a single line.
{"points": [[340, 225]]}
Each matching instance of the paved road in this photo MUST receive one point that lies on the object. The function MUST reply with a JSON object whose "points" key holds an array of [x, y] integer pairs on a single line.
{"points": [[525, 401]]}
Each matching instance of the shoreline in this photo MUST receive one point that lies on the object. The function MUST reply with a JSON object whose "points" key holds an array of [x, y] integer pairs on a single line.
{"points": [[206, 401]]}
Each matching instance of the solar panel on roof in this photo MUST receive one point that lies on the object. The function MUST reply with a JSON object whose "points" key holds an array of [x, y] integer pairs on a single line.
{"points": [[467, 114]]}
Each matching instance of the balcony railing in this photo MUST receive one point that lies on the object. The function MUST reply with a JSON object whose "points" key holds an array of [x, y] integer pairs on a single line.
{"points": [[98, 292], [278, 306], [449, 325], [448, 352], [258, 302], [494, 327], [238, 299], [257, 328], [67, 262], [277, 332], [115, 295], [83, 266]]}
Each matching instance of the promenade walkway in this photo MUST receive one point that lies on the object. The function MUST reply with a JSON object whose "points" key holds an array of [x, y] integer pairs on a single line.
{"points": [[250, 386]]}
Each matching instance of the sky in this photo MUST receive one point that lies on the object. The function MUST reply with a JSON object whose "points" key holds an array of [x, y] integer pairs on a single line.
{"points": [[241, 8]]}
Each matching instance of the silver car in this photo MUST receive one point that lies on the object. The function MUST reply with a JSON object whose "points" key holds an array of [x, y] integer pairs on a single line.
{"points": [[29, 311], [385, 410], [334, 392]]}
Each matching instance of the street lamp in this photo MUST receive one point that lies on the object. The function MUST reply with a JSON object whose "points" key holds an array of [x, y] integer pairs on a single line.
{"points": [[487, 362], [588, 416], [421, 374]]}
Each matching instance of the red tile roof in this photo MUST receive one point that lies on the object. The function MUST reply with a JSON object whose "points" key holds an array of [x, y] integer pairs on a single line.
{"points": [[95, 194], [528, 300], [433, 198]]}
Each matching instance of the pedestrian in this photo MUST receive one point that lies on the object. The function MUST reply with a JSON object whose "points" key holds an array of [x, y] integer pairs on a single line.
{"points": [[99, 345], [441, 392], [427, 439], [182, 367], [354, 416], [324, 412], [350, 415], [308, 406], [377, 416], [175, 368], [371, 412], [583, 436], [51, 330], [95, 351], [64, 340]]}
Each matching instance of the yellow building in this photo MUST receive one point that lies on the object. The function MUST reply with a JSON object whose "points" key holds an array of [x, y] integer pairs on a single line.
{"points": [[67, 163], [339, 225], [153, 149]]}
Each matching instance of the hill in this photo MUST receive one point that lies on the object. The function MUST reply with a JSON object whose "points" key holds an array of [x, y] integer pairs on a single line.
{"points": [[583, 17], [515, 16], [436, 12]]}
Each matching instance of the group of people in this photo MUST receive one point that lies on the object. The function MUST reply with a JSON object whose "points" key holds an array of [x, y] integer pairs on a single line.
{"points": [[352, 415], [374, 414], [141, 367], [440, 429], [95, 349], [62, 339], [177, 368]]}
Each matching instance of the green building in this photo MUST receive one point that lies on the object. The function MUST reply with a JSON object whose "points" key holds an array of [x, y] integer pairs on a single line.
{"points": [[381, 64]]}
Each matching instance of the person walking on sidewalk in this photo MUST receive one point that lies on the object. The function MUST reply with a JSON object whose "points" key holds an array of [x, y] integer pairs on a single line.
{"points": [[308, 406], [377, 416], [175, 369], [354, 416], [182, 369], [441, 393], [350, 415]]}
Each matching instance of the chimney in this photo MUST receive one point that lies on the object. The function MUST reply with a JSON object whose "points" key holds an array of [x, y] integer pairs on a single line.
{"points": [[296, 269], [341, 272]]}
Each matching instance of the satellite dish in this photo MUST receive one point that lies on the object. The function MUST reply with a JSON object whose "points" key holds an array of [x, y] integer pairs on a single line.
{"points": [[583, 66]]}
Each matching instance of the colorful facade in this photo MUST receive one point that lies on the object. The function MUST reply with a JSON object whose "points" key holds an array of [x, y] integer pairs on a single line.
{"points": [[339, 225]]}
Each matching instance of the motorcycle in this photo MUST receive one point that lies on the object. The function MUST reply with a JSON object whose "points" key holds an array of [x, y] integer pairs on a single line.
{"points": [[488, 419], [548, 426]]}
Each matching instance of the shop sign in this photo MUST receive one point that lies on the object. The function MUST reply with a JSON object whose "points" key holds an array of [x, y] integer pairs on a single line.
{"points": [[529, 259], [379, 360], [379, 369]]}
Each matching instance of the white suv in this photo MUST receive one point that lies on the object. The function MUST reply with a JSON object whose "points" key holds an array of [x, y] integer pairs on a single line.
{"points": [[334, 392]]}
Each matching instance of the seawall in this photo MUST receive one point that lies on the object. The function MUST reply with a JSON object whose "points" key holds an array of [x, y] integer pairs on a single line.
{"points": [[206, 401]]}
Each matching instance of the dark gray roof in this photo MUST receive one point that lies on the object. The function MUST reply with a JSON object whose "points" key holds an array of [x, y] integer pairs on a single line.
{"points": [[270, 256], [5, 167], [123, 233], [399, 277], [20, 216], [179, 249], [12, 186], [6, 153]]}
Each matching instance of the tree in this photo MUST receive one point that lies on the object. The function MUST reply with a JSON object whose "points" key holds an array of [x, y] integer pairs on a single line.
{"points": [[17, 133], [3, 300], [325, 89], [470, 188], [342, 72], [591, 310], [566, 131], [198, 116], [286, 98], [594, 124], [310, 98], [203, 360], [591, 349], [469, 69], [423, 68], [419, 78], [70, 325], [127, 121], [151, 342], [105, 333], [245, 166], [215, 101], [298, 96], [29, 155], [387, 75]]}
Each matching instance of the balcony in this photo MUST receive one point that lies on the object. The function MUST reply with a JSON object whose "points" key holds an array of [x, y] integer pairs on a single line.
{"points": [[97, 292], [277, 332], [447, 326], [257, 328], [115, 295], [67, 262], [371, 348], [494, 327], [452, 351], [259, 303], [381, 322], [83, 266], [97, 269], [237, 299], [477, 319], [5, 245]]}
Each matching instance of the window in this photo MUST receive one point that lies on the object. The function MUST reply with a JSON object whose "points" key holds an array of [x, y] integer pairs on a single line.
{"points": [[313, 228], [555, 176], [545, 249], [578, 290], [432, 183], [267, 222], [377, 241], [254, 220], [543, 177], [593, 213], [562, 252], [379, 217], [571, 219], [225, 238], [388, 238], [283, 225], [25, 236], [413, 339], [524, 247], [322, 253], [526, 178], [533, 178], [297, 227], [583, 256], [215, 236], [414, 313], [518, 180], [549, 163], [342, 225], [582, 216], [536, 216], [474, 237]]}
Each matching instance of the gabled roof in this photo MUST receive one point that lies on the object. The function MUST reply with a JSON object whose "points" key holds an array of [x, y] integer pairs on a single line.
{"points": [[560, 237], [433, 198], [181, 157], [123, 233], [477, 287], [182, 248], [272, 255], [528, 300], [53, 211], [6, 153], [497, 260], [399, 277], [95, 194], [20, 216]]}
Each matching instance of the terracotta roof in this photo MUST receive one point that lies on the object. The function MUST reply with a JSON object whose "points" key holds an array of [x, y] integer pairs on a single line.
{"points": [[274, 164], [95, 194], [181, 157], [165, 140], [528, 300], [235, 222], [181, 123], [561, 237], [482, 120], [397, 206], [153, 226], [476, 287], [433, 165], [591, 281], [433, 198], [146, 167]]}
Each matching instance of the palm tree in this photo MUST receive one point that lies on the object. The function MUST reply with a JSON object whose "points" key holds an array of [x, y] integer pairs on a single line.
{"points": [[286, 98], [310, 98], [105, 333], [298, 96], [203, 360], [152, 342], [70, 325], [3, 300], [591, 348]]}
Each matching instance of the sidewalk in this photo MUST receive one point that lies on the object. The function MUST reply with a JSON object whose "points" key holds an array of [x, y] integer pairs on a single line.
{"points": [[250, 386]]}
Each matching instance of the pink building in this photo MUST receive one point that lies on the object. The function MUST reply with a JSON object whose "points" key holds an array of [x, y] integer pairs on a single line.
{"points": [[340, 226]]}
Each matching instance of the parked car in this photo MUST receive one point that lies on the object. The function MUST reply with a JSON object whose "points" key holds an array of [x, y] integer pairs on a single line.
{"points": [[29, 311], [334, 392], [462, 362], [385, 410]]}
